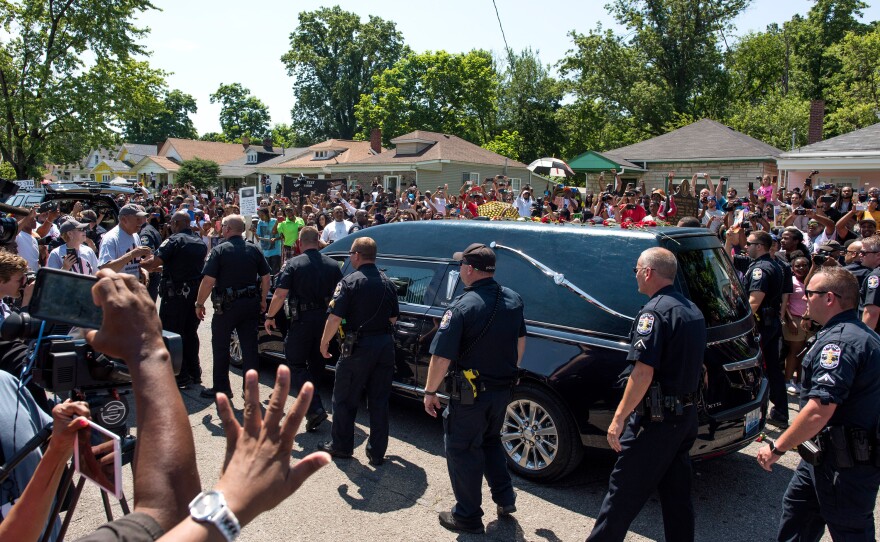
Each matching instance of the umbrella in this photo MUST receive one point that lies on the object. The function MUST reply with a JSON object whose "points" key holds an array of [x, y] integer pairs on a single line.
{"points": [[498, 209], [552, 167]]}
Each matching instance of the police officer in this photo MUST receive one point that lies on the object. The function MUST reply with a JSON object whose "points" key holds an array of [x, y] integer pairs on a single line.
{"points": [[840, 402], [367, 301], [150, 237], [667, 346], [765, 282], [230, 278], [307, 283], [870, 289], [182, 257], [484, 335]]}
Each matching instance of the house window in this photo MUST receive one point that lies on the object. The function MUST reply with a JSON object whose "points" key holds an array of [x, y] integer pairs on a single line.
{"points": [[323, 154], [470, 176], [95, 160], [105, 178], [515, 184], [391, 183], [251, 158]]}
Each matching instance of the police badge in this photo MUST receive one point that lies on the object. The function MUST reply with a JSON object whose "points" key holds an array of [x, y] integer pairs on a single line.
{"points": [[646, 324], [873, 282], [447, 317], [757, 273], [338, 290], [830, 356]]}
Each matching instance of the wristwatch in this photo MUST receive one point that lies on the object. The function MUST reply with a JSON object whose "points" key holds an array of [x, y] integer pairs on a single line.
{"points": [[773, 449], [210, 507], [200, 306]]}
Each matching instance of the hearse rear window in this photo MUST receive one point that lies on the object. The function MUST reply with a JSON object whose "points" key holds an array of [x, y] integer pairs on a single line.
{"points": [[415, 281], [712, 284]]}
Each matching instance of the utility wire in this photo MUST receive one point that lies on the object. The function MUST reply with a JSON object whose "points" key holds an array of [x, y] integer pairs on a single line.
{"points": [[509, 52]]}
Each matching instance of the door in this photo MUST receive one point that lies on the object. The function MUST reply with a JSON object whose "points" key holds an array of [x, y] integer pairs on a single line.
{"points": [[417, 283], [450, 287]]}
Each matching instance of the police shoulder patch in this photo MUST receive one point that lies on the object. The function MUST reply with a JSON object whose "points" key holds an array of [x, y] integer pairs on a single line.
{"points": [[447, 317], [873, 282], [757, 273], [646, 324], [830, 356], [165, 242], [338, 290]]}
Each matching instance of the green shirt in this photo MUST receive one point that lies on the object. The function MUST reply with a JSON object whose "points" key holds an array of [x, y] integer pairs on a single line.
{"points": [[290, 230]]}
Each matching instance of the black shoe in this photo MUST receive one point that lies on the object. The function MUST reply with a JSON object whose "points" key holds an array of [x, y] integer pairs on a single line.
{"points": [[314, 420], [777, 419], [211, 393], [375, 461], [328, 447], [447, 519], [184, 384], [506, 509]]}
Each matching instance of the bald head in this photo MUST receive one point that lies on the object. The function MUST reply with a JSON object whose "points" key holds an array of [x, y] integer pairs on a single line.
{"points": [[234, 225], [179, 221]]}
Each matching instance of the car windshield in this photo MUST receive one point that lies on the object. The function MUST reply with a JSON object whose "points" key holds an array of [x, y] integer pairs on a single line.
{"points": [[712, 284]]}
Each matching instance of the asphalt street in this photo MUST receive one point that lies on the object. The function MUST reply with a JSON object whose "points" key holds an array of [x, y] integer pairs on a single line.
{"points": [[735, 499]]}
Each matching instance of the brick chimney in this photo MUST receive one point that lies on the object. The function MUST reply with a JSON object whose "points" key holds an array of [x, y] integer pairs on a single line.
{"points": [[817, 121], [267, 143], [245, 141], [376, 140]]}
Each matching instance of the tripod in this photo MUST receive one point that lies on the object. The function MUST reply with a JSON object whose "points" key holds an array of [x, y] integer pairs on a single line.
{"points": [[64, 495]]}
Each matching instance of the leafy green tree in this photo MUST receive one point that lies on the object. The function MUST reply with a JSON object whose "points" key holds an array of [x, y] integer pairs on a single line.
{"points": [[773, 119], [240, 113], [284, 135], [528, 101], [67, 83], [333, 58], [218, 137], [203, 174], [855, 87], [172, 121], [438, 91], [506, 144], [7, 171]]}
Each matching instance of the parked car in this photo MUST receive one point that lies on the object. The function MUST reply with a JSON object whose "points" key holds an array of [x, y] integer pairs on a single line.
{"points": [[99, 197], [580, 301]]}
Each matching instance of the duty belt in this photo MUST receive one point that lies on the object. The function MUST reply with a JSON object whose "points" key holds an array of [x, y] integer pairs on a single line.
{"points": [[182, 289], [312, 306]]}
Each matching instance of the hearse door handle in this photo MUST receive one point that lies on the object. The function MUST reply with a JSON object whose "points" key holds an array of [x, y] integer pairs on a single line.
{"points": [[408, 325]]}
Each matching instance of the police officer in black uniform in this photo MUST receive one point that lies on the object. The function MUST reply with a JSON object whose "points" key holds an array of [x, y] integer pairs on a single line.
{"points": [[668, 341], [840, 404], [869, 303], [182, 257], [484, 335], [230, 278], [306, 284], [765, 282], [367, 301], [150, 237]]}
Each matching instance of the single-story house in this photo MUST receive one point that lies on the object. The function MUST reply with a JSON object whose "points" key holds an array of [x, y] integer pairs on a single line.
{"points": [[849, 159], [705, 146]]}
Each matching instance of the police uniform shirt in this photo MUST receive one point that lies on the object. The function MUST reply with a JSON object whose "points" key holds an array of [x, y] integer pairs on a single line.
{"points": [[495, 354], [150, 237], [310, 277], [764, 276], [859, 271], [366, 299], [787, 275], [669, 335], [870, 292], [182, 255], [843, 367], [236, 264]]}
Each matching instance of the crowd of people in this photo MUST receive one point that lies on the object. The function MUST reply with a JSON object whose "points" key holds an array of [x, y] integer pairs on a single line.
{"points": [[186, 246]]}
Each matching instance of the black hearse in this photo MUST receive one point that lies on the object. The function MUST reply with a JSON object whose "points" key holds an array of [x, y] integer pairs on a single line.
{"points": [[580, 300]]}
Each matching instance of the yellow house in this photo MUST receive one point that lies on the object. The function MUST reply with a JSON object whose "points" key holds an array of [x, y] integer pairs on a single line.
{"points": [[120, 164]]}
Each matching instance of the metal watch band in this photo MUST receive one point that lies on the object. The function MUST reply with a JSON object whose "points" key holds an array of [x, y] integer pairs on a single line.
{"points": [[227, 523]]}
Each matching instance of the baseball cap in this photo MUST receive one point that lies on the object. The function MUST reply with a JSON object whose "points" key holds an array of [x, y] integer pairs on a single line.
{"points": [[868, 218], [659, 191], [132, 210], [830, 246], [478, 256], [71, 224]]}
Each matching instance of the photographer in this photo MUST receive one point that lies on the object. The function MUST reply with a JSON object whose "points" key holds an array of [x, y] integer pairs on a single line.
{"points": [[40, 473], [73, 255]]}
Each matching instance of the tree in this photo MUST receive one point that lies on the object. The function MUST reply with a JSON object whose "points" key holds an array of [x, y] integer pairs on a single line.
{"points": [[240, 113], [285, 136], [333, 57], [528, 101], [203, 174], [506, 144], [172, 120], [66, 83], [855, 87], [7, 171], [218, 137], [439, 91]]}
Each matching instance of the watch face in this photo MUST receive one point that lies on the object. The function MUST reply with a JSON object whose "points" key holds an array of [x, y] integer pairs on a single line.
{"points": [[207, 505]]}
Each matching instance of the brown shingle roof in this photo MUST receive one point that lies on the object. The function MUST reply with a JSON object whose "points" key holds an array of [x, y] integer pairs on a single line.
{"points": [[165, 162], [445, 147], [354, 152], [206, 150], [865, 140], [702, 140]]}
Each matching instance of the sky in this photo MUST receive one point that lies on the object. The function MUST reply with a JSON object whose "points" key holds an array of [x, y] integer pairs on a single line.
{"points": [[205, 43]]}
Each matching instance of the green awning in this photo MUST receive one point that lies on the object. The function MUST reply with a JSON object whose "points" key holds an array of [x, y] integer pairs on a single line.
{"points": [[596, 162]]}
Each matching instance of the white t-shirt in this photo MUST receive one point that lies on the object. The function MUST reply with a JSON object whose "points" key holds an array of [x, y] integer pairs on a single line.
{"points": [[719, 218], [88, 262], [439, 204], [28, 249], [115, 244], [335, 231], [54, 231], [524, 206]]}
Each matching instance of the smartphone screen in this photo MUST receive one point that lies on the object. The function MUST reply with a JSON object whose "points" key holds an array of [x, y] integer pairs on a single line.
{"points": [[97, 455], [61, 296]]}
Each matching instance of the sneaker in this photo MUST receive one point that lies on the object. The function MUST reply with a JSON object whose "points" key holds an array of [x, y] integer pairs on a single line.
{"points": [[448, 520], [776, 418], [506, 510], [793, 388]]}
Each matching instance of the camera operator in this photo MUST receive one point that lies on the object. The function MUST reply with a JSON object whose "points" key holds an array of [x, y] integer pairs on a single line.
{"points": [[73, 255], [33, 483], [16, 284]]}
